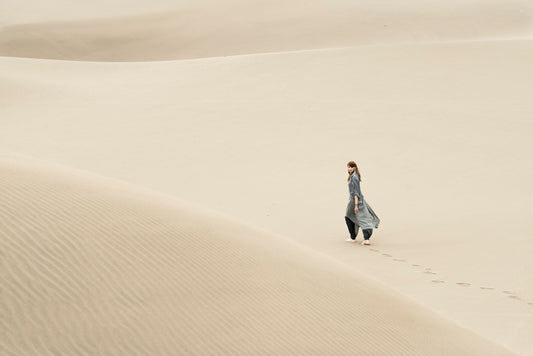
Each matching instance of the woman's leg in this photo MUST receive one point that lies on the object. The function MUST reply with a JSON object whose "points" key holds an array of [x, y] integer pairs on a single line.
{"points": [[367, 233], [351, 228]]}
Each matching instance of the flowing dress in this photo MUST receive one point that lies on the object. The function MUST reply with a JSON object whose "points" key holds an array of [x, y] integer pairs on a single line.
{"points": [[366, 218]]}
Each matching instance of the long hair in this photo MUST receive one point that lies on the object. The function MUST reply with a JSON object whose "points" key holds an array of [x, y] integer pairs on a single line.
{"points": [[356, 170]]}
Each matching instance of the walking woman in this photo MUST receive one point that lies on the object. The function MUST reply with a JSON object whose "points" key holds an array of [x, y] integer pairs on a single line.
{"points": [[358, 213]]}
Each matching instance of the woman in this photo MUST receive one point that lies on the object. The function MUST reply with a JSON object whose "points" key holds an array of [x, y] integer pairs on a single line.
{"points": [[358, 213]]}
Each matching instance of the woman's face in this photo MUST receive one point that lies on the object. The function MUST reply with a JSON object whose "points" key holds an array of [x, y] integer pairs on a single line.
{"points": [[350, 169]]}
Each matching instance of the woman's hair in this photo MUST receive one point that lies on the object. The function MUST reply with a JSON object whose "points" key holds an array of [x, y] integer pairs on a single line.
{"points": [[356, 170]]}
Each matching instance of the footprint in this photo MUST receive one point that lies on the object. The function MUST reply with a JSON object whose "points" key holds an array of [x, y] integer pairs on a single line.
{"points": [[530, 303], [429, 272], [507, 292], [386, 255], [437, 281], [486, 288], [427, 268], [399, 260], [374, 250], [463, 284], [514, 297], [415, 265]]}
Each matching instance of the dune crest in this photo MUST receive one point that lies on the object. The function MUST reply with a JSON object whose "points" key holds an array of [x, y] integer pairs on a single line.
{"points": [[243, 27], [415, 112], [92, 266]]}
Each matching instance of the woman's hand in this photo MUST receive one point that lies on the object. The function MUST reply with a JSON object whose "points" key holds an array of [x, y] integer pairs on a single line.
{"points": [[356, 210]]}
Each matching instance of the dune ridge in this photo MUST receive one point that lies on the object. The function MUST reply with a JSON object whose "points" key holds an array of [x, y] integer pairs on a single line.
{"points": [[94, 266], [416, 111], [252, 109], [240, 27]]}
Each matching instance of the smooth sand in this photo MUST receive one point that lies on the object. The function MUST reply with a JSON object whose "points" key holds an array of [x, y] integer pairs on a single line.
{"points": [[230, 27], [95, 266], [441, 132]]}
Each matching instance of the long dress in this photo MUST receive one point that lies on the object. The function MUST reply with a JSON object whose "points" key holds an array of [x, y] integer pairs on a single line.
{"points": [[366, 218]]}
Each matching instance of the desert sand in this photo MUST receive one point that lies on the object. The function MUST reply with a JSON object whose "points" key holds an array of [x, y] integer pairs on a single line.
{"points": [[95, 266], [173, 177]]}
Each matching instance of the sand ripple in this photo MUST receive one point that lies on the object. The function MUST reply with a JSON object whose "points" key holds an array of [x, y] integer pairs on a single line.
{"points": [[91, 266]]}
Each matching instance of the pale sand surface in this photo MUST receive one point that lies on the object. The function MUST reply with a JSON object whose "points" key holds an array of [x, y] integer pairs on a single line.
{"points": [[441, 132], [229, 27], [95, 266]]}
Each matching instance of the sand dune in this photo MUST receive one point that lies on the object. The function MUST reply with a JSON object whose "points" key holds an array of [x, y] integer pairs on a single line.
{"points": [[95, 266], [241, 27], [433, 99], [442, 131]]}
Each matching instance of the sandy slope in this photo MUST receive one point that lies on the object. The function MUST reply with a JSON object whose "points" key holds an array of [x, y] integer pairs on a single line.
{"points": [[442, 134], [96, 266], [206, 29]]}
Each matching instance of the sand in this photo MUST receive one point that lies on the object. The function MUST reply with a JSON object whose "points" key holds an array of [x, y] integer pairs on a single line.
{"points": [[235, 147], [95, 266], [231, 27]]}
